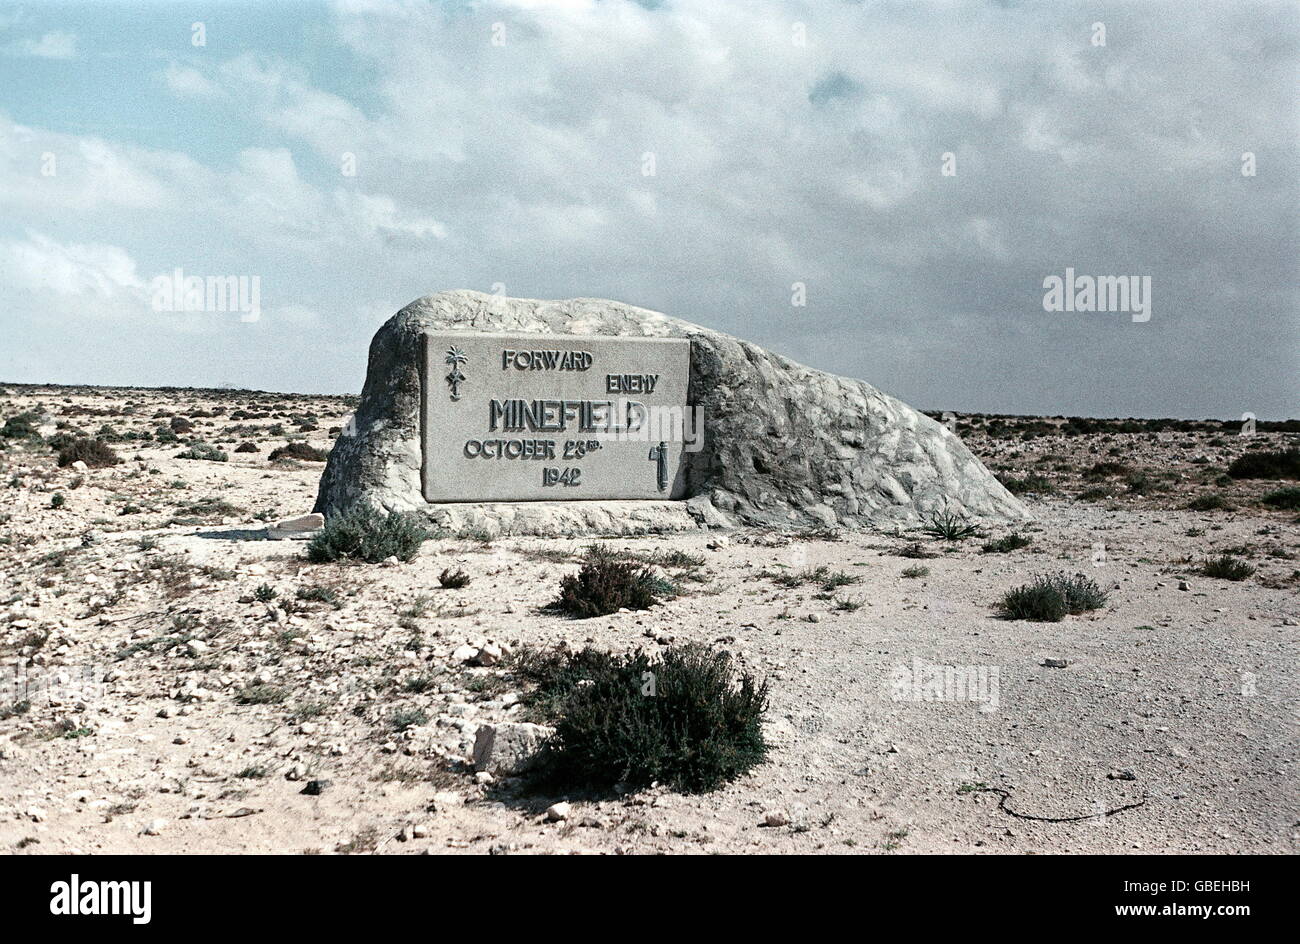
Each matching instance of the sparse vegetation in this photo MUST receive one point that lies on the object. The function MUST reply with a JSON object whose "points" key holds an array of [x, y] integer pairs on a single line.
{"points": [[203, 451], [683, 719], [1034, 483], [368, 535], [1004, 545], [1279, 464], [915, 572], [950, 526], [93, 452], [606, 584], [453, 579], [1226, 567], [1048, 599], [1285, 498], [299, 450]]}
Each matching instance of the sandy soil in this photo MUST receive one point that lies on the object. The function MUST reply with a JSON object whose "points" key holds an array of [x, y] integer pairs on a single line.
{"points": [[1170, 728]]}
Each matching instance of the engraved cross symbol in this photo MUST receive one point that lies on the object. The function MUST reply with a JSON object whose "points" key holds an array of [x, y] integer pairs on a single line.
{"points": [[659, 454], [456, 357]]}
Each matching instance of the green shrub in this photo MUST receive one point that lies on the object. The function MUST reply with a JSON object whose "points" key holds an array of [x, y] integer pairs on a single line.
{"points": [[405, 718], [1012, 542], [365, 534], [203, 451], [950, 526], [683, 719], [1209, 503], [1226, 567], [299, 450], [1104, 470], [57, 500], [453, 579], [22, 426], [915, 572], [1048, 599], [1280, 464], [261, 694], [1287, 498], [1034, 482], [606, 585], [96, 454]]}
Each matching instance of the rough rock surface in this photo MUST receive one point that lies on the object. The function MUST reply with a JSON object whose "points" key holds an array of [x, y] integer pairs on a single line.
{"points": [[785, 445], [509, 747]]}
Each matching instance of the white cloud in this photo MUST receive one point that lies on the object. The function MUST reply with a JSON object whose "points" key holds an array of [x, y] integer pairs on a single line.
{"points": [[189, 82], [44, 265], [53, 45]]}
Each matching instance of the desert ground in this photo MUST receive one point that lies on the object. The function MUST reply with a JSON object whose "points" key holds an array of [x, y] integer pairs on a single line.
{"points": [[177, 683]]}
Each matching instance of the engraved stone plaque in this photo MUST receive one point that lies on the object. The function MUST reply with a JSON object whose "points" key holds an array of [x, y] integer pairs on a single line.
{"points": [[536, 417]]}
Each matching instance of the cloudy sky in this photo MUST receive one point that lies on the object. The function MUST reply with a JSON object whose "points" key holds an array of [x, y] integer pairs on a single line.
{"points": [[698, 157]]}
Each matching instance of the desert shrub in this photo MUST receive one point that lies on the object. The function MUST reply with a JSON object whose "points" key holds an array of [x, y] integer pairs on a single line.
{"points": [[1209, 503], [22, 426], [245, 447], [1047, 599], [1139, 483], [299, 450], [405, 718], [683, 719], [95, 454], [203, 451], [1288, 498], [265, 593], [57, 500], [164, 434], [319, 594], [1034, 482], [916, 552], [606, 585], [1226, 567], [1280, 464], [1104, 470], [259, 693], [1012, 542], [950, 526], [915, 572], [365, 534], [180, 425], [453, 579]]}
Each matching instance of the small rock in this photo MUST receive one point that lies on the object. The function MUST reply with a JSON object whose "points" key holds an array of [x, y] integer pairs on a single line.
{"points": [[558, 811], [1055, 663], [154, 827], [316, 787], [776, 818]]}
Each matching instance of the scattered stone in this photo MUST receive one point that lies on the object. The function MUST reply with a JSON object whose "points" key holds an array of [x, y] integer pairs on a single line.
{"points": [[776, 818], [558, 812], [1055, 663], [316, 787], [300, 528]]}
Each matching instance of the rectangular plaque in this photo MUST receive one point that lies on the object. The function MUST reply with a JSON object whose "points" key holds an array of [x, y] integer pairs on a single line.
{"points": [[537, 417]]}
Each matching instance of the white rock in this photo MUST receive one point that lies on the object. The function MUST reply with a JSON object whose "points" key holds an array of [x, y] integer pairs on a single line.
{"points": [[558, 811]]}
